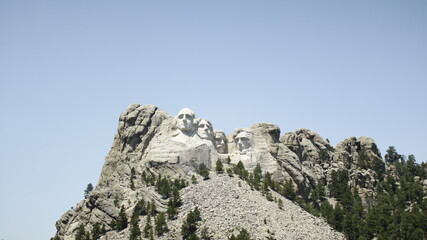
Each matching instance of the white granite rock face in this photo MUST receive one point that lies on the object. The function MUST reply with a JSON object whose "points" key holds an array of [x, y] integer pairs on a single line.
{"points": [[149, 140]]}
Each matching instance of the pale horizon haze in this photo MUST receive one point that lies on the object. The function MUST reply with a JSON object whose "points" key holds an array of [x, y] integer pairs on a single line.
{"points": [[68, 69]]}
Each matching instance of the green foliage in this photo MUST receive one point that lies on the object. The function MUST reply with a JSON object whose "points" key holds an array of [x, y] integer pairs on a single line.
{"points": [[339, 184], [269, 196], [189, 227], [364, 161], [116, 201], [161, 226], [81, 233], [204, 234], [152, 209], [98, 231], [148, 178], [229, 172], [113, 224], [392, 156], [326, 210], [176, 198], [257, 175], [139, 209], [288, 190], [385, 215], [151, 237], [397, 211], [318, 195], [148, 228], [174, 203], [219, 167], [204, 171], [88, 189], [144, 176], [193, 179], [132, 177], [163, 187], [266, 182], [122, 221], [172, 210], [135, 232], [324, 155], [240, 170]]}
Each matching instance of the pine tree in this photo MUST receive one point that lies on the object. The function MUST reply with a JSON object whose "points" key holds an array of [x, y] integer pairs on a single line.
{"points": [[219, 168], [81, 234], [96, 231], [257, 175], [189, 226], [288, 190], [160, 224], [132, 176], [204, 234], [193, 179], [135, 232], [240, 170], [326, 210], [147, 227], [176, 197], [163, 187], [151, 234], [318, 193], [339, 187], [204, 171], [88, 189], [229, 172], [267, 182], [122, 221], [152, 208], [171, 210], [392, 156], [337, 218]]}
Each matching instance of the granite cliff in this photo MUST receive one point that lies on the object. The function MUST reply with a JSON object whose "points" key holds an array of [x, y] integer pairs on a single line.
{"points": [[150, 144]]}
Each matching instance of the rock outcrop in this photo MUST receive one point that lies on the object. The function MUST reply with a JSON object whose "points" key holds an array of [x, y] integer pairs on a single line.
{"points": [[150, 142]]}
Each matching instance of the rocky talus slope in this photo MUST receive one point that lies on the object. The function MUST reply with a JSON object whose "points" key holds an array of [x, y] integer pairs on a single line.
{"points": [[228, 203]]}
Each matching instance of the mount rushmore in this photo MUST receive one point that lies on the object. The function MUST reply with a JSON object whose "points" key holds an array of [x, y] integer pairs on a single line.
{"points": [[149, 141]]}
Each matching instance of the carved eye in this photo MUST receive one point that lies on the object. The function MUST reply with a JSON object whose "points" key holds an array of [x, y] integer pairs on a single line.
{"points": [[202, 126], [181, 116]]}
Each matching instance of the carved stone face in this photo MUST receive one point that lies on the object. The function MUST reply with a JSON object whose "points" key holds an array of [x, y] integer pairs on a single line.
{"points": [[185, 120], [205, 130], [242, 142], [220, 142]]}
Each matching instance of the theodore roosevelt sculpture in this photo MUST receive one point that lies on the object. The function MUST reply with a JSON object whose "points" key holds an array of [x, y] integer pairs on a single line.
{"points": [[220, 142]]}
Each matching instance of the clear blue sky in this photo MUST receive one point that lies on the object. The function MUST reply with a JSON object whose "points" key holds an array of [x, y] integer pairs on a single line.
{"points": [[69, 68]]}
